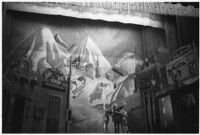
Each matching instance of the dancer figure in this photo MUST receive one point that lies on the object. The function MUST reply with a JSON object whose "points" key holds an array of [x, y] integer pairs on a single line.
{"points": [[124, 124], [106, 114], [119, 118]]}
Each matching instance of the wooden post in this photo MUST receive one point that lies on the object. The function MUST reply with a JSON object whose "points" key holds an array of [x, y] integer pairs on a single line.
{"points": [[68, 100]]}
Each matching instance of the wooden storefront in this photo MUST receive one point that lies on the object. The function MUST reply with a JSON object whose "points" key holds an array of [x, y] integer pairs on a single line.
{"points": [[171, 104], [29, 106]]}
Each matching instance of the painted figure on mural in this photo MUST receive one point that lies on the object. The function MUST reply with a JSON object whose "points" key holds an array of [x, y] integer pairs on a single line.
{"points": [[119, 116], [106, 115], [124, 122]]}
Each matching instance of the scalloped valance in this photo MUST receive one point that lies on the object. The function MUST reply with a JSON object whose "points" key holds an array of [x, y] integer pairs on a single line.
{"points": [[140, 13]]}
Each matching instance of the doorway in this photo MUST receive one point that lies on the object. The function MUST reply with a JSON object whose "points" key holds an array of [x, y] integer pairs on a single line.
{"points": [[18, 113]]}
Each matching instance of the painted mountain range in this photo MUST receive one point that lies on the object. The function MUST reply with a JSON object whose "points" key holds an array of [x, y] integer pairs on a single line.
{"points": [[42, 51]]}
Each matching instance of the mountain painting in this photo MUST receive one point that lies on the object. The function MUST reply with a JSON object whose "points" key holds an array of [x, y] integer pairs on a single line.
{"points": [[90, 69], [94, 80]]}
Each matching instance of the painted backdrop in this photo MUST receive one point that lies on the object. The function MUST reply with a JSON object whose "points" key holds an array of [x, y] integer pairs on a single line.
{"points": [[103, 55]]}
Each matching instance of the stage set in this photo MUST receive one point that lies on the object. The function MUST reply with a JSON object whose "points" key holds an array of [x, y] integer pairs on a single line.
{"points": [[100, 67]]}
